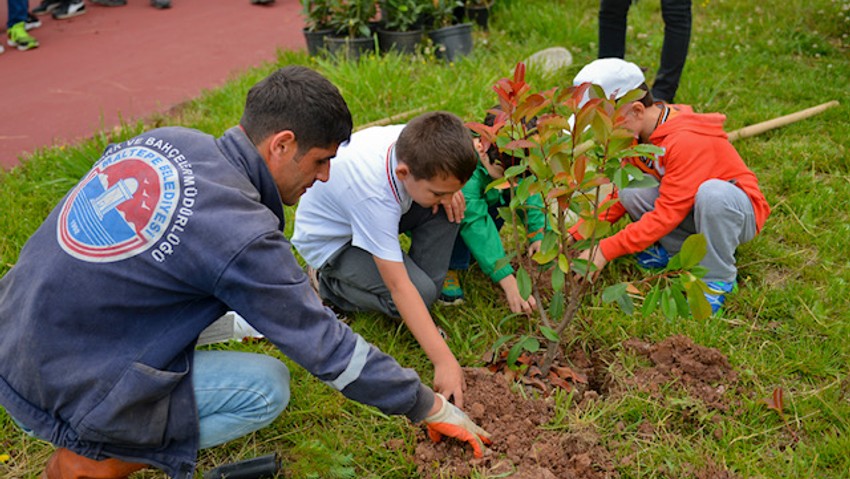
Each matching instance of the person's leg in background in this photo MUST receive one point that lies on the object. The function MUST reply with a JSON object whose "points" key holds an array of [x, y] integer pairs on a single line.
{"points": [[674, 52], [16, 26], [613, 18]]}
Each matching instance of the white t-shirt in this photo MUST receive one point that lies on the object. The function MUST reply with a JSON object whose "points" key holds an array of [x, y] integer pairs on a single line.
{"points": [[362, 202]]}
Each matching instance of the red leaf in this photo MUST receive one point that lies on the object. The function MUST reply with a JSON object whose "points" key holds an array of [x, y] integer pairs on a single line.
{"points": [[776, 401], [567, 373], [558, 382]]}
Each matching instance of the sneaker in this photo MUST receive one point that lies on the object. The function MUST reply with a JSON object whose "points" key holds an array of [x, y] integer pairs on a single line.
{"points": [[451, 293], [109, 3], [161, 4], [32, 22], [46, 6], [2, 49], [18, 37], [69, 9], [654, 257], [716, 294]]}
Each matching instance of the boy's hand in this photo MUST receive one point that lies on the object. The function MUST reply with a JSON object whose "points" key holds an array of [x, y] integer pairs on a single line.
{"points": [[451, 421], [515, 301], [455, 205], [448, 380], [534, 247], [598, 260]]}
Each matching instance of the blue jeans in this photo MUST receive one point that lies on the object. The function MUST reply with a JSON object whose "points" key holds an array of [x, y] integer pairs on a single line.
{"points": [[17, 10], [236, 393]]}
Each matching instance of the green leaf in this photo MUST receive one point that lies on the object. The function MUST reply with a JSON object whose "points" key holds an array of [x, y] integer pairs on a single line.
{"points": [[681, 303], [502, 340], [523, 281], [515, 352], [579, 266], [650, 303], [613, 293], [556, 306], [548, 248], [626, 304], [514, 171], [532, 345], [550, 334], [700, 309], [558, 279], [693, 250], [522, 193], [563, 263], [668, 304]]}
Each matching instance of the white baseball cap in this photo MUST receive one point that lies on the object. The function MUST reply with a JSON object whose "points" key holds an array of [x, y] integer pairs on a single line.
{"points": [[615, 75]]}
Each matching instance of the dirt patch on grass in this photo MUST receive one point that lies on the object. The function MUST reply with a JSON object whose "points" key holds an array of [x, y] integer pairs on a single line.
{"points": [[522, 449], [705, 373]]}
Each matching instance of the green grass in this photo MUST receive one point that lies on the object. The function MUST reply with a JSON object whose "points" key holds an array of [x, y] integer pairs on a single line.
{"points": [[787, 327]]}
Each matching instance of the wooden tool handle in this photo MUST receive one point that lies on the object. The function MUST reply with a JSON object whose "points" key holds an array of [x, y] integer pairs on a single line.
{"points": [[764, 126]]}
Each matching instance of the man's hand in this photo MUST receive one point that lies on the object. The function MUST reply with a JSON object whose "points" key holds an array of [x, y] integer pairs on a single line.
{"points": [[448, 380], [455, 206], [452, 422], [597, 260]]}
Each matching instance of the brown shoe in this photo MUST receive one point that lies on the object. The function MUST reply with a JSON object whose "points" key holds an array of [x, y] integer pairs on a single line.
{"points": [[64, 464]]}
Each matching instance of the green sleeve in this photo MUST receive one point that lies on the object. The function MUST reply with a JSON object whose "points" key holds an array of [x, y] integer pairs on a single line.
{"points": [[535, 218], [478, 229]]}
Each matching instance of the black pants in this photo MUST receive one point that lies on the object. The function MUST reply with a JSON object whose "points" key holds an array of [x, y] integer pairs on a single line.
{"points": [[677, 36]]}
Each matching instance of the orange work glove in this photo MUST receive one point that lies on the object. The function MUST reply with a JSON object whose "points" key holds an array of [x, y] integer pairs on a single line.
{"points": [[451, 421]]}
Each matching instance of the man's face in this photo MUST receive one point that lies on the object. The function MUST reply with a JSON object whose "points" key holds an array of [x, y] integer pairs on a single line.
{"points": [[427, 193], [297, 172]]}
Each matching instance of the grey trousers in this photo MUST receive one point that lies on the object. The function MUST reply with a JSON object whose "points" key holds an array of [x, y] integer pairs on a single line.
{"points": [[722, 213], [351, 281]]}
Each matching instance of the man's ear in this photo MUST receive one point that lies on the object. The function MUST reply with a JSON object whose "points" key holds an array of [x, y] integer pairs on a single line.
{"points": [[282, 143]]}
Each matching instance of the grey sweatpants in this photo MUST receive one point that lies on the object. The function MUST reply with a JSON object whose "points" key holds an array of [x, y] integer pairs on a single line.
{"points": [[722, 213], [351, 281]]}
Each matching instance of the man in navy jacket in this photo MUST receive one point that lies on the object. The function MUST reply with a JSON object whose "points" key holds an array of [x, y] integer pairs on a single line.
{"points": [[168, 231]]}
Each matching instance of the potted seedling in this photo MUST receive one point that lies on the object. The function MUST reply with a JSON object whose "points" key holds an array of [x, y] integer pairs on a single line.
{"points": [[351, 24], [402, 25], [452, 39], [317, 15], [571, 154]]}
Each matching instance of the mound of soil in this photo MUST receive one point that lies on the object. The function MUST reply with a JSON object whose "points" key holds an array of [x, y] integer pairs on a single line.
{"points": [[705, 373], [521, 450]]}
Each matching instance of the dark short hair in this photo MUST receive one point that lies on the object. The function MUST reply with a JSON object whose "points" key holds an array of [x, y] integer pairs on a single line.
{"points": [[647, 99], [301, 100], [437, 144]]}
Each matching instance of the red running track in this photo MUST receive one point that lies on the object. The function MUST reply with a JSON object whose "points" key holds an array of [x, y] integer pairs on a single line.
{"points": [[117, 64]]}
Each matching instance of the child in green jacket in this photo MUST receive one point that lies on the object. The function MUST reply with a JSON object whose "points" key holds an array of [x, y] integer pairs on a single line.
{"points": [[479, 231]]}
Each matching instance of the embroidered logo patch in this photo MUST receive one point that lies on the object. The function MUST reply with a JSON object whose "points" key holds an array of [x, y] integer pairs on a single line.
{"points": [[121, 208]]}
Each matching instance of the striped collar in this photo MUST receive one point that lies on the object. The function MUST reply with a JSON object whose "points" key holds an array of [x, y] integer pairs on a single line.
{"points": [[391, 178]]}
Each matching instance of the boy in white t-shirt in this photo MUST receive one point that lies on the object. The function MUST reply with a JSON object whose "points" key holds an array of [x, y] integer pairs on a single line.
{"points": [[384, 182]]}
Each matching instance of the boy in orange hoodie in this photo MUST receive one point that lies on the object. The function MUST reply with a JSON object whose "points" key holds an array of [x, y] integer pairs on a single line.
{"points": [[704, 185]]}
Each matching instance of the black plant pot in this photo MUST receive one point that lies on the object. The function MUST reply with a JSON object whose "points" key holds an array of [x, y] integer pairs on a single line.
{"points": [[350, 48], [479, 15], [402, 42], [453, 42], [316, 40]]}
